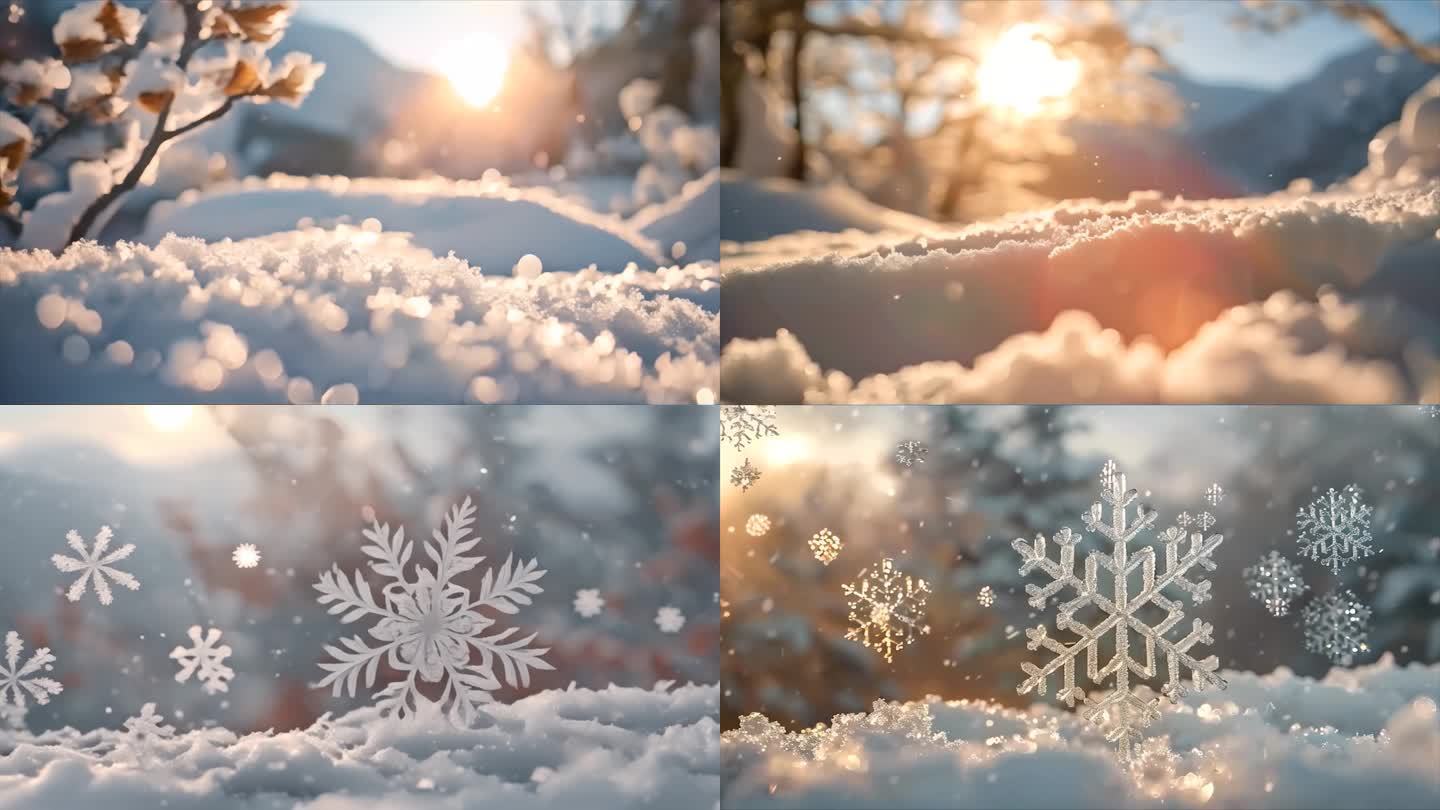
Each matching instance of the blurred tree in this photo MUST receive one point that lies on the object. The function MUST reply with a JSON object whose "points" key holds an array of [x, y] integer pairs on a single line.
{"points": [[1277, 15]]}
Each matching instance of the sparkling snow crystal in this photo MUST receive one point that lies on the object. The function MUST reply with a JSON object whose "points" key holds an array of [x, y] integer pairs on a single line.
{"points": [[1214, 495], [1335, 528], [246, 555], [825, 545], [205, 660], [986, 597], [744, 476], [1336, 626], [95, 565], [742, 424], [887, 609], [17, 680], [1276, 582], [669, 619], [429, 623], [757, 525], [589, 603], [910, 453], [1124, 712]]}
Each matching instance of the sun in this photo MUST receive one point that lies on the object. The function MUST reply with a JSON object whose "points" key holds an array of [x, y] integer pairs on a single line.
{"points": [[476, 68], [169, 418], [1021, 72]]}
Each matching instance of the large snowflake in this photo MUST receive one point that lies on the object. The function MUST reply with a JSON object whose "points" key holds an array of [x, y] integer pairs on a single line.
{"points": [[95, 566], [1123, 712], [887, 609], [1335, 528], [1337, 626], [19, 680], [430, 627], [205, 659], [1275, 581], [742, 424]]}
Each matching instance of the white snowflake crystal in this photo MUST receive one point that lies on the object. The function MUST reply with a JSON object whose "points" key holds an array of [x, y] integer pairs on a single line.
{"points": [[825, 545], [1334, 529], [887, 609], [1214, 495], [148, 724], [245, 555], [589, 603], [95, 566], [669, 619], [742, 424], [757, 525], [20, 680], [205, 660], [428, 622], [1275, 581], [1123, 712], [910, 453], [744, 476], [1337, 626], [986, 597]]}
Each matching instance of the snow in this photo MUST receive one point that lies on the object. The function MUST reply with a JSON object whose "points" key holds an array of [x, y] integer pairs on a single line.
{"points": [[690, 218], [1363, 737], [756, 209], [604, 749], [348, 314]]}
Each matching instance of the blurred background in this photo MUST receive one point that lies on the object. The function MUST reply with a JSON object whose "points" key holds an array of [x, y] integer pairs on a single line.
{"points": [[996, 473], [622, 500]]}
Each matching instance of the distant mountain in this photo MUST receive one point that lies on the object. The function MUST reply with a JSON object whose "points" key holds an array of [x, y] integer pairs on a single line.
{"points": [[1210, 105]]}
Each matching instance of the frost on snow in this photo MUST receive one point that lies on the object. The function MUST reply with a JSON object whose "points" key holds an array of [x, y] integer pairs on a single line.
{"points": [[17, 680], [1124, 711], [669, 619], [205, 660], [428, 625], [589, 603], [1335, 528], [95, 566], [825, 545], [757, 525], [887, 609], [910, 453], [1336, 625], [245, 555], [742, 424], [1275, 581], [744, 476]]}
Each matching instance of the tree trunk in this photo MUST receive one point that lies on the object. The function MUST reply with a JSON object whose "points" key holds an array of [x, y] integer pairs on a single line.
{"points": [[797, 95]]}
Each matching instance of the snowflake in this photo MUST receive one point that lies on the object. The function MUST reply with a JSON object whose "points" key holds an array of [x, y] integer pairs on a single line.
{"points": [[744, 476], [910, 453], [1214, 494], [429, 624], [742, 424], [1336, 626], [757, 525], [589, 603], [246, 555], [1203, 521], [148, 724], [1432, 411], [1276, 582], [16, 680], [1335, 528], [826, 546], [92, 566], [669, 619], [1123, 710], [886, 608], [986, 597], [206, 658]]}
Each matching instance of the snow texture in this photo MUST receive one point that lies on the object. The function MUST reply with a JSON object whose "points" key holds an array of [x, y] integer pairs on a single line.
{"points": [[610, 749], [1367, 737]]}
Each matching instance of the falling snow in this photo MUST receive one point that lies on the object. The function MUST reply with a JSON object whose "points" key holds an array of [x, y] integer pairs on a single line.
{"points": [[887, 609], [757, 525], [95, 566], [1334, 529], [1275, 581], [589, 603], [744, 476], [669, 619], [205, 660], [246, 555], [1337, 626], [909, 453], [19, 681], [986, 597], [825, 545], [1214, 494]]}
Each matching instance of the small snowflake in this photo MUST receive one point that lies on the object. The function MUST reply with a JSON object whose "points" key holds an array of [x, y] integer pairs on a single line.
{"points": [[589, 603], [17, 680], [1203, 521], [1337, 625], [910, 453], [757, 525], [246, 555], [744, 476], [887, 609], [1214, 494], [1335, 528], [1275, 581], [742, 424], [205, 660], [986, 597], [825, 545], [95, 566], [669, 619], [148, 724]]}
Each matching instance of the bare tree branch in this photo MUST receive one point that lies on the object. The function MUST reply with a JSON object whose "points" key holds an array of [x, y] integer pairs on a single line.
{"points": [[1374, 19]]}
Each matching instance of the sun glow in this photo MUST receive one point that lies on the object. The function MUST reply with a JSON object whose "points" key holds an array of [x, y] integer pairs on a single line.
{"points": [[1021, 72], [476, 68], [169, 418]]}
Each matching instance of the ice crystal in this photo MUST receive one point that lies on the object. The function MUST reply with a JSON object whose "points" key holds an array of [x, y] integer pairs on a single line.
{"points": [[246, 555], [1337, 626], [428, 622], [825, 545], [744, 476], [742, 424], [669, 619], [1335, 528], [205, 660], [757, 525], [1123, 712], [887, 609], [910, 453], [95, 566], [1214, 494], [589, 603], [1275, 581], [148, 725], [986, 597], [19, 680]]}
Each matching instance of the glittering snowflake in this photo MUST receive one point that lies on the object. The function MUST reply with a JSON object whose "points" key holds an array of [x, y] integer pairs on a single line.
{"points": [[669, 619], [428, 622], [742, 424], [910, 453], [1123, 712], [95, 566], [1275, 581], [825, 545], [17, 681], [887, 609], [1214, 494], [1337, 626], [986, 597], [205, 660], [757, 525], [1335, 528], [744, 476], [246, 555], [589, 603]]}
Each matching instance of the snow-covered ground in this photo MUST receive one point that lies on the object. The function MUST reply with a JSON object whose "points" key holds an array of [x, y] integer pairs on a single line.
{"points": [[1365, 737], [615, 748]]}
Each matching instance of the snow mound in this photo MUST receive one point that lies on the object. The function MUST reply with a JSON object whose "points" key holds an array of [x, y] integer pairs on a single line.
{"points": [[1368, 737], [341, 315], [756, 209], [488, 223], [690, 219], [611, 748]]}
